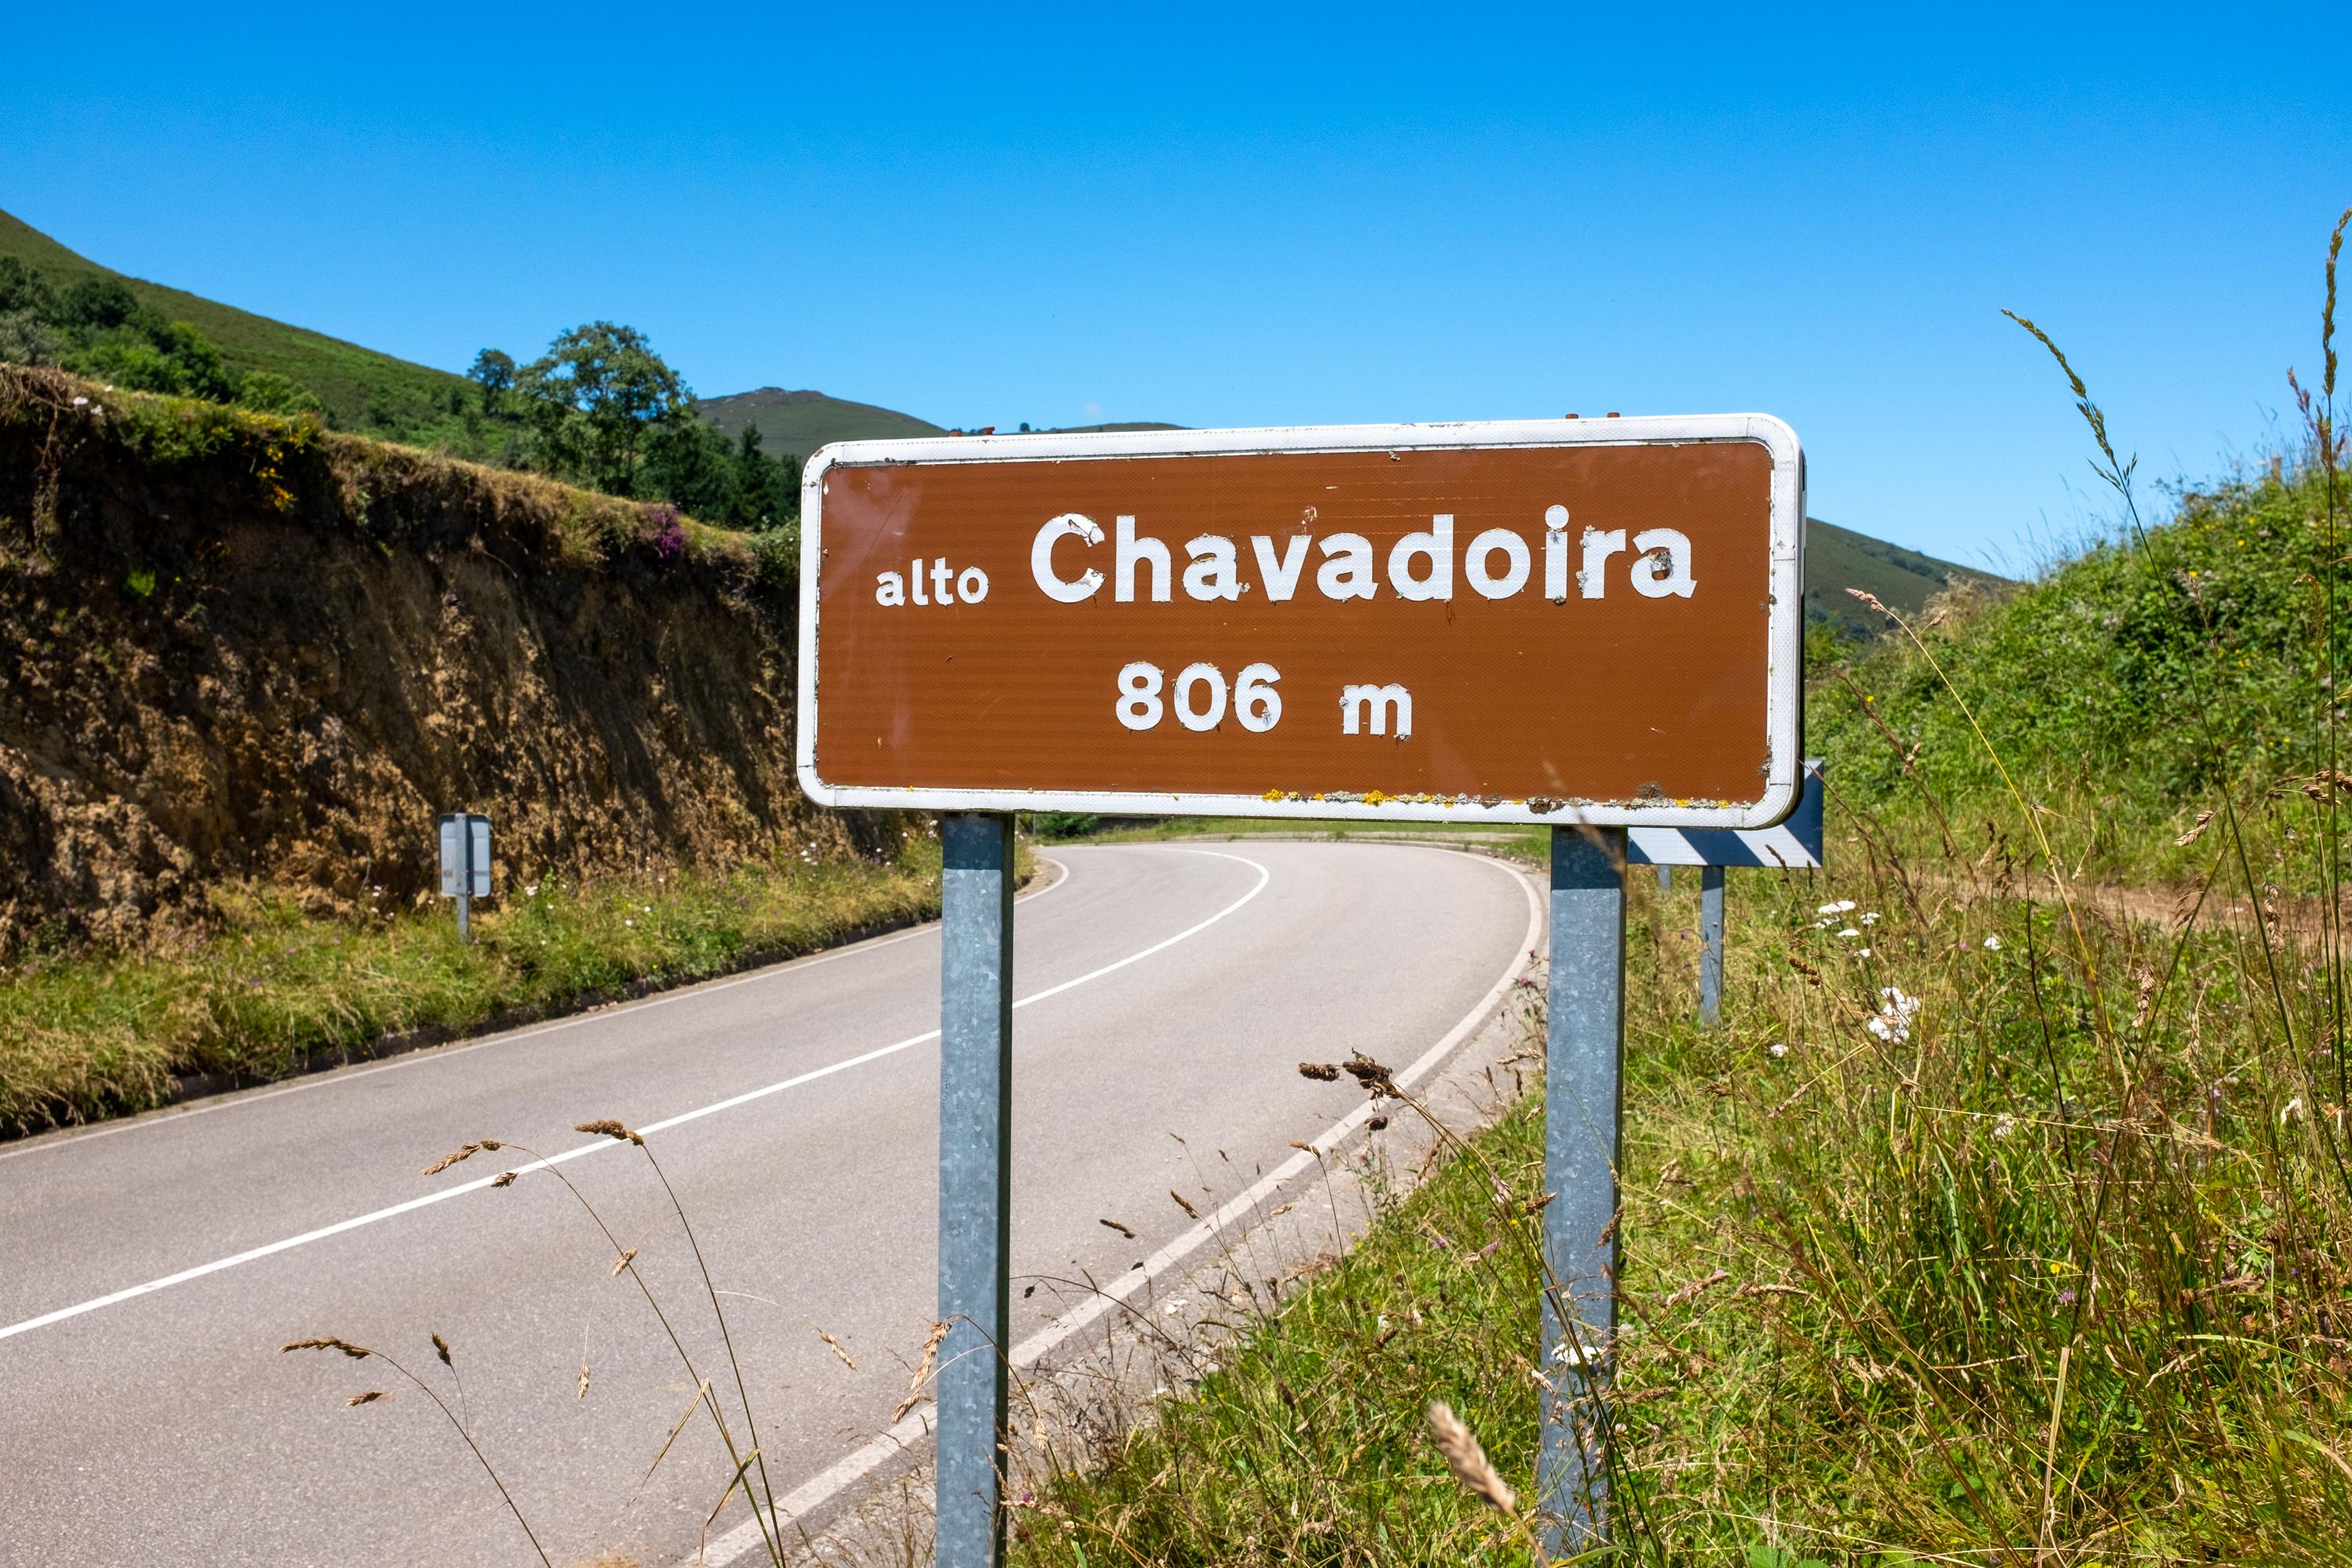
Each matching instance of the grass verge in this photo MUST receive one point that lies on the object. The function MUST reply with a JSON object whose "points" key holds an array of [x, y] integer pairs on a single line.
{"points": [[1975, 1289], [85, 1035]]}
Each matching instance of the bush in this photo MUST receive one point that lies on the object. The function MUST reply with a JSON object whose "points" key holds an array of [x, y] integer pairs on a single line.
{"points": [[1056, 825]]}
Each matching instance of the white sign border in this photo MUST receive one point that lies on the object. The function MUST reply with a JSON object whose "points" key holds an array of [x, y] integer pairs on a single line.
{"points": [[1784, 674]]}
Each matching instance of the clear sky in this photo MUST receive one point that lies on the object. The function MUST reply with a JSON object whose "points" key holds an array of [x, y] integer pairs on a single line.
{"points": [[1274, 215]]}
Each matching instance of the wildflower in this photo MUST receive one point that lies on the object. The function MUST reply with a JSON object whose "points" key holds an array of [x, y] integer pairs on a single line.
{"points": [[1778, 1050], [2291, 1107], [1862, 952], [1992, 944], [628, 922], [1895, 1011], [81, 402], [1870, 917], [2004, 1127], [1849, 931], [2066, 1296], [532, 891], [1839, 908]]}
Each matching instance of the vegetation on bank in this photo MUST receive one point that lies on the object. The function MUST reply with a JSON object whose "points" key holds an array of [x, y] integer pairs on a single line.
{"points": [[2124, 692], [292, 465], [1924, 1261], [600, 408], [85, 1035]]}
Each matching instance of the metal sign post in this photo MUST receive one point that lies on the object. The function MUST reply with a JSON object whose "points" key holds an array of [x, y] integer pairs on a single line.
{"points": [[1793, 844], [1711, 946], [1584, 1044], [976, 1183], [465, 864], [1591, 626]]}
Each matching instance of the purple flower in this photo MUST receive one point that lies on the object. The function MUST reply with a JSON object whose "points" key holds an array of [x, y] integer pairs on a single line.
{"points": [[669, 534], [2066, 1296]]}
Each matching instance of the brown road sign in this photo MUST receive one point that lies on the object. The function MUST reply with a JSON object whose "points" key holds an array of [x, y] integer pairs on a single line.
{"points": [[1530, 621]]}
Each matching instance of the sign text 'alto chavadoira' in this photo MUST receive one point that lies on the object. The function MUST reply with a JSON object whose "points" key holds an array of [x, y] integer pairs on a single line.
{"points": [[1532, 621]]}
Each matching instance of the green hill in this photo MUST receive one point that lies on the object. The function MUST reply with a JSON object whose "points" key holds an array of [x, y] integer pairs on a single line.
{"points": [[801, 422], [1838, 558], [361, 389]]}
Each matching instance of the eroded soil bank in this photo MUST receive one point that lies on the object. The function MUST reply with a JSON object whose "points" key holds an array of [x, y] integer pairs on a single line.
{"points": [[237, 649]]}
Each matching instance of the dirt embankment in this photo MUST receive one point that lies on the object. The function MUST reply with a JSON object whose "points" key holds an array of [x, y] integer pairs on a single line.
{"points": [[235, 647]]}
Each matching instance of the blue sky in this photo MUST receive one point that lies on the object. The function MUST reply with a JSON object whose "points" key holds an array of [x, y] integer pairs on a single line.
{"points": [[1272, 215]]}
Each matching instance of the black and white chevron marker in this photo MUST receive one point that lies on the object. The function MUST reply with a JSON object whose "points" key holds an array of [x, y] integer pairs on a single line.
{"points": [[1794, 842]]}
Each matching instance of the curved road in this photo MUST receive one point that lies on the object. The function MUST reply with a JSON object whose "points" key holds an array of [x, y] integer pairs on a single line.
{"points": [[149, 1269]]}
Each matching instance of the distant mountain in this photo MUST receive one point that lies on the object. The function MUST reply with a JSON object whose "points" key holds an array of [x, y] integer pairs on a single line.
{"points": [[1838, 558], [801, 422]]}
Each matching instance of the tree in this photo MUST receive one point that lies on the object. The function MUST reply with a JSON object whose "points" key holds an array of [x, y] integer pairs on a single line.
{"points": [[495, 369], [101, 303], [595, 395], [23, 288], [766, 490]]}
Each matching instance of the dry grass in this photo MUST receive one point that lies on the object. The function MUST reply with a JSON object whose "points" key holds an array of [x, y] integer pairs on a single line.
{"points": [[87, 1034]]}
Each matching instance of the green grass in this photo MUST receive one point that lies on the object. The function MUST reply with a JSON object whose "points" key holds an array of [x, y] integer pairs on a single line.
{"points": [[85, 1035], [2124, 691], [1912, 1234]]}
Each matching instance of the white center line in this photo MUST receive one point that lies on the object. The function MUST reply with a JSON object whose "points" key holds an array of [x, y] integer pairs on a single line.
{"points": [[444, 1195]]}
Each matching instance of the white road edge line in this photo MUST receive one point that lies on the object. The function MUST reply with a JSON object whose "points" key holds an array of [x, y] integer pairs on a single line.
{"points": [[356, 1221], [427, 1056], [821, 1488]]}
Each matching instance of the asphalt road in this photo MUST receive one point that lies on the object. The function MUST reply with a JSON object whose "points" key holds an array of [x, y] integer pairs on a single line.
{"points": [[1174, 989]]}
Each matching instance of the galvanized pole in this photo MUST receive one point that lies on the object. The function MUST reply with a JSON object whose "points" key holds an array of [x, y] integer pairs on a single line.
{"points": [[1711, 946], [975, 1184], [1585, 1048], [465, 880]]}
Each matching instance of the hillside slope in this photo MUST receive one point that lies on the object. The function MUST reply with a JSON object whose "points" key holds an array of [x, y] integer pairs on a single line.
{"points": [[361, 389], [801, 422], [241, 647], [2123, 691], [1837, 559]]}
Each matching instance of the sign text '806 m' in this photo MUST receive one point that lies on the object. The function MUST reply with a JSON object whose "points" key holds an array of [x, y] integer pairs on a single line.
{"points": [[1524, 621]]}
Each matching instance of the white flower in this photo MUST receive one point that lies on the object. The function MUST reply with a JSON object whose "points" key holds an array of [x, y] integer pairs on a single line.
{"points": [[2004, 1127], [1778, 1050], [1820, 925], [1992, 944], [1895, 1011], [1862, 952], [532, 891], [1869, 918], [628, 922], [2291, 1107], [649, 908], [81, 402], [1836, 909], [1848, 931]]}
